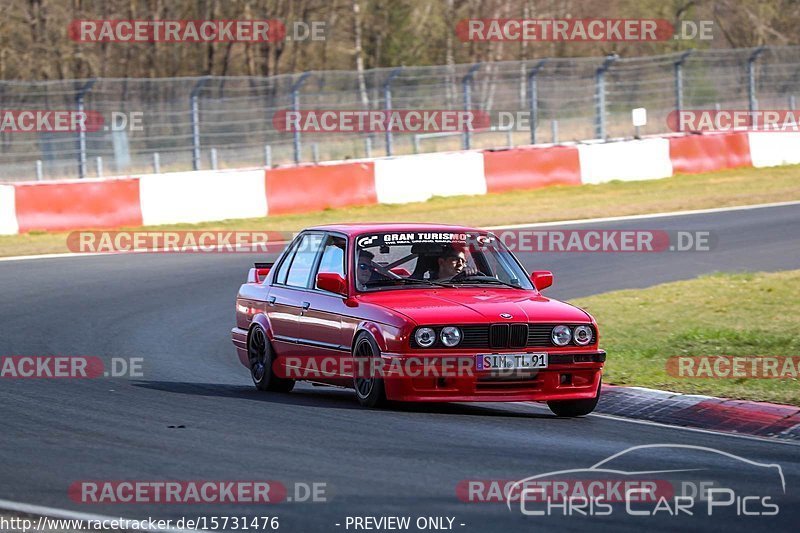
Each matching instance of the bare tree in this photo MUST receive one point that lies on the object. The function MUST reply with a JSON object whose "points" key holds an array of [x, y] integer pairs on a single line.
{"points": [[359, 55]]}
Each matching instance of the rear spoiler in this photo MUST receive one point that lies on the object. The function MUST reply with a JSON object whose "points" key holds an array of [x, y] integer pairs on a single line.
{"points": [[259, 272]]}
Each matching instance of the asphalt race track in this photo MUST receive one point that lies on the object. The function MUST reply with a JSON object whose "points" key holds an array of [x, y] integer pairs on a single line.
{"points": [[175, 311]]}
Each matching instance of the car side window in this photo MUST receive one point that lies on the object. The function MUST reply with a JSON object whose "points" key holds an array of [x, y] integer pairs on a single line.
{"points": [[283, 268], [303, 260], [332, 256]]}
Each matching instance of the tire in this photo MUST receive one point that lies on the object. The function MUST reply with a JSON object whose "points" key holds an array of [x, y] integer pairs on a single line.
{"points": [[261, 356], [369, 391], [573, 408]]}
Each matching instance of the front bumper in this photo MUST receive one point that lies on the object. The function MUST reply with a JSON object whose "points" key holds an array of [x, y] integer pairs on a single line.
{"points": [[569, 376]]}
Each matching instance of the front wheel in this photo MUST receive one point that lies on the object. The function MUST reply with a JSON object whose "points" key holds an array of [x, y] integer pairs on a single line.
{"points": [[369, 389], [572, 408], [261, 356]]}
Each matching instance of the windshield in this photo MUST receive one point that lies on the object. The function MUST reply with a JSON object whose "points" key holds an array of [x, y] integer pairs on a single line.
{"points": [[435, 258]]}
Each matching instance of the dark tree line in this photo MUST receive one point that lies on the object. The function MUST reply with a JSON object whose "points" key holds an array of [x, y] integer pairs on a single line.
{"points": [[360, 34]]}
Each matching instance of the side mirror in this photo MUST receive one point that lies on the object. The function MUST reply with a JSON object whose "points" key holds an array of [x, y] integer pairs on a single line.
{"points": [[332, 282], [541, 279]]}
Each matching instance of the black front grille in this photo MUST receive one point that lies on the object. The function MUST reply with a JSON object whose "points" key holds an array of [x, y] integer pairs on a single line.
{"points": [[474, 337], [518, 337], [498, 335], [539, 335], [508, 335]]}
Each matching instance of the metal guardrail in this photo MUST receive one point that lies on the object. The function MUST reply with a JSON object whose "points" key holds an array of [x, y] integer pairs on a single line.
{"points": [[190, 123]]}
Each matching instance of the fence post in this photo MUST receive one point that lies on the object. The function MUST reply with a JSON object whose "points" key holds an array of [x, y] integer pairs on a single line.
{"points": [[267, 156], [39, 171], [156, 163], [315, 152], [554, 131], [533, 98], [387, 105], [195, 108], [99, 165], [213, 159], [600, 96], [466, 86], [296, 108], [751, 77], [368, 147], [679, 85], [82, 131]]}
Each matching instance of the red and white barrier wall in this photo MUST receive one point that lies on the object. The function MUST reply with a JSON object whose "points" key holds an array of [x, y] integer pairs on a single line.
{"points": [[8, 211], [769, 149], [187, 197], [417, 178], [531, 168], [309, 188], [631, 160], [64, 205], [203, 195]]}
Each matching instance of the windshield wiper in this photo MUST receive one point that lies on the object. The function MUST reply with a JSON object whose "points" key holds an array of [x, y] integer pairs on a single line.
{"points": [[404, 281], [479, 278]]}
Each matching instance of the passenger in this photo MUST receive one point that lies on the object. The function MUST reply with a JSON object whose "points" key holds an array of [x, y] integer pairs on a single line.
{"points": [[365, 267]]}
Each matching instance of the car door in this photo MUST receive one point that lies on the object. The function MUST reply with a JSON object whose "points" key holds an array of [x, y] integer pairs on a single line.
{"points": [[288, 290], [319, 324]]}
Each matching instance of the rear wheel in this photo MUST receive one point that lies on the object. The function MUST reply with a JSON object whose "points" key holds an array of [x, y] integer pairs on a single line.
{"points": [[369, 389], [572, 408], [261, 356]]}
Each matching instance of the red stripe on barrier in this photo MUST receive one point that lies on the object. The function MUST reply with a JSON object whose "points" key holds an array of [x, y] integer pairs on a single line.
{"points": [[692, 154], [745, 417], [316, 187], [76, 205], [531, 168]]}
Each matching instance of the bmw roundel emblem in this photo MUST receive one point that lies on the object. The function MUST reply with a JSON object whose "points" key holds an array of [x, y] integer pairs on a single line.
{"points": [[505, 315]]}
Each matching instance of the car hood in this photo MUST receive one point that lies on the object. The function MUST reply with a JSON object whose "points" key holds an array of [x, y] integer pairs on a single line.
{"points": [[473, 305]]}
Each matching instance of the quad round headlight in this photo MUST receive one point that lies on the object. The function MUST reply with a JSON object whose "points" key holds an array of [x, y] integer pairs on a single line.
{"points": [[583, 335], [425, 337], [561, 335], [450, 336]]}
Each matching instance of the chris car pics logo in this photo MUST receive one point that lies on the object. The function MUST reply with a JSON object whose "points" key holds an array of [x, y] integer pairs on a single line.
{"points": [[655, 480]]}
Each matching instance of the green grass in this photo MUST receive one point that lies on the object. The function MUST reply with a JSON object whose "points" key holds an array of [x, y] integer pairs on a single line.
{"points": [[719, 314], [684, 192]]}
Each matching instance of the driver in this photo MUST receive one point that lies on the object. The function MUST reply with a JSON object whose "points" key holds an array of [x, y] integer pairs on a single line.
{"points": [[452, 262]]}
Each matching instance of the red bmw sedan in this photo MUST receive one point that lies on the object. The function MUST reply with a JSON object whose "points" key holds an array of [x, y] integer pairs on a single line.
{"points": [[415, 313]]}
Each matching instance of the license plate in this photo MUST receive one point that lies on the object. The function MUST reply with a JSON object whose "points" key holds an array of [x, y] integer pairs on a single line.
{"points": [[511, 361]]}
